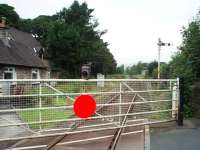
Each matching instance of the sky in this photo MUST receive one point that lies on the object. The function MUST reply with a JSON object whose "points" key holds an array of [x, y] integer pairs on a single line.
{"points": [[134, 26]]}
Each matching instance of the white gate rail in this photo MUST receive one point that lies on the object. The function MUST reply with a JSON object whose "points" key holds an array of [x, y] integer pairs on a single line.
{"points": [[45, 106]]}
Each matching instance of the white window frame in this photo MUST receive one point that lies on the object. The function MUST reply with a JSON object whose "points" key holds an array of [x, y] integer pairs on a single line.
{"points": [[48, 74], [36, 71], [10, 70]]}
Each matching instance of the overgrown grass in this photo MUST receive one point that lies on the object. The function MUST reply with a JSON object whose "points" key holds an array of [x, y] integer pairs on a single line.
{"points": [[54, 101], [29, 116], [46, 115], [197, 112], [161, 106], [78, 87]]}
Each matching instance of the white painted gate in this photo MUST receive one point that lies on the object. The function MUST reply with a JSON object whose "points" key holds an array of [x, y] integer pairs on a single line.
{"points": [[44, 108]]}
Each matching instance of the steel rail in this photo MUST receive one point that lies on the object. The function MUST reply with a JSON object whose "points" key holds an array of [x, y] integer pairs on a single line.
{"points": [[73, 127], [90, 126], [119, 131], [76, 141]]}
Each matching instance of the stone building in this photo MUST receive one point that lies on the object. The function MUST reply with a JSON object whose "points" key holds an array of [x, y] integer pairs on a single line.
{"points": [[19, 55]]}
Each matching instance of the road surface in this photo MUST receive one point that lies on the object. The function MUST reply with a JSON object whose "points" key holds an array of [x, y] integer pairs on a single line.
{"points": [[186, 138]]}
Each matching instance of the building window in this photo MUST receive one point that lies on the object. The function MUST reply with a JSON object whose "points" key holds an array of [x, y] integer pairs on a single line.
{"points": [[9, 73], [35, 74], [48, 75]]}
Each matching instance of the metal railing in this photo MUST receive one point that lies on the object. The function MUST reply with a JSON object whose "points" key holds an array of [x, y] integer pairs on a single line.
{"points": [[43, 108]]}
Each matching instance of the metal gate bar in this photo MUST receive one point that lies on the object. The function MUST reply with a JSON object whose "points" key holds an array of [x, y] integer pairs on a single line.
{"points": [[45, 105]]}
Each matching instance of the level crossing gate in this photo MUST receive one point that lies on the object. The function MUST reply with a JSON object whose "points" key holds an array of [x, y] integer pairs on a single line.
{"points": [[43, 108]]}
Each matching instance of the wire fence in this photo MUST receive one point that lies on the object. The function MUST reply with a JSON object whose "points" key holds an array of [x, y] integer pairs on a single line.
{"points": [[40, 108]]}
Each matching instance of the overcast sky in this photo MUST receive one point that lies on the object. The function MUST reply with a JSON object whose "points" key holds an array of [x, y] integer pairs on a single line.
{"points": [[133, 25]]}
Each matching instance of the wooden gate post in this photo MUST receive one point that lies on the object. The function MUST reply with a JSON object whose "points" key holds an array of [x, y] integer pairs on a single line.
{"points": [[181, 101], [174, 99]]}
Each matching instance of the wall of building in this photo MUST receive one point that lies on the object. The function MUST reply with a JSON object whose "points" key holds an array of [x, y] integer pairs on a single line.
{"points": [[25, 72], [1, 72], [44, 74]]}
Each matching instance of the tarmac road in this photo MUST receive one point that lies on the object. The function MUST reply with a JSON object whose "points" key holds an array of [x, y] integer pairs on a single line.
{"points": [[177, 139]]}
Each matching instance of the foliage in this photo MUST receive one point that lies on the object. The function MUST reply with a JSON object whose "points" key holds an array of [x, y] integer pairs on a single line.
{"points": [[73, 36], [136, 69], [196, 112], [120, 69], [25, 25], [186, 63], [191, 45], [151, 67], [70, 38], [7, 11]]}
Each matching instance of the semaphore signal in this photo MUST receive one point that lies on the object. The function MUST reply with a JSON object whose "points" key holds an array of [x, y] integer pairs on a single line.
{"points": [[160, 44]]}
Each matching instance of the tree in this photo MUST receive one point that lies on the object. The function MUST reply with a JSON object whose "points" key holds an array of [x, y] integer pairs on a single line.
{"points": [[191, 45], [25, 25], [62, 42], [73, 40], [41, 26], [186, 62], [136, 69], [120, 69], [152, 66], [12, 18], [70, 38]]}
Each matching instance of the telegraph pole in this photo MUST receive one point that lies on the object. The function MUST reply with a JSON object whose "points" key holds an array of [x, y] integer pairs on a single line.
{"points": [[160, 43], [159, 48]]}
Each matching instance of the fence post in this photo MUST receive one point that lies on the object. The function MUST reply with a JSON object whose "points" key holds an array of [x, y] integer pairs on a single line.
{"points": [[146, 135], [120, 101], [181, 101], [174, 99], [40, 105]]}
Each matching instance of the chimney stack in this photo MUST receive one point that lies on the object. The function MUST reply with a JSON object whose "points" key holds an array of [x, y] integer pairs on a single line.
{"points": [[3, 22], [4, 32]]}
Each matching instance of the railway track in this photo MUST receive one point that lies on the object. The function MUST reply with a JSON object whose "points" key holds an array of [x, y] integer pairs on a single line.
{"points": [[74, 126], [113, 134]]}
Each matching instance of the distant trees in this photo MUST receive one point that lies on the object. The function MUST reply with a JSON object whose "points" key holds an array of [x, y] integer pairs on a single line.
{"points": [[120, 69], [136, 69], [185, 63], [150, 69]]}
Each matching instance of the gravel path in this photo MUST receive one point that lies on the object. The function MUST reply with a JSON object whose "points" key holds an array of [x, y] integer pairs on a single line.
{"points": [[11, 131]]}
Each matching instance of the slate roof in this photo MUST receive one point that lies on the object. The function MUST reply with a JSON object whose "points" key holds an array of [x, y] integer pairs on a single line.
{"points": [[20, 52], [25, 38]]}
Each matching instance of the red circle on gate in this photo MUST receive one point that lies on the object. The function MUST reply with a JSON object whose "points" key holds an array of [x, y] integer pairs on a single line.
{"points": [[84, 106]]}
